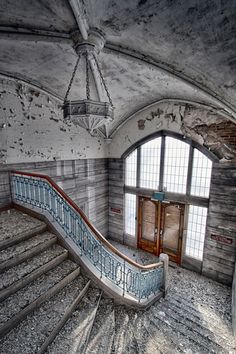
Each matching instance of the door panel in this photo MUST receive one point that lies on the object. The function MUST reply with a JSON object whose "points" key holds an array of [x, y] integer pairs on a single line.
{"points": [[172, 230], [148, 220], [147, 231]]}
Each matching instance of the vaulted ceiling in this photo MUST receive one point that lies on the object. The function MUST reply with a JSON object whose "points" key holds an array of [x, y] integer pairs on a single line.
{"points": [[154, 50]]}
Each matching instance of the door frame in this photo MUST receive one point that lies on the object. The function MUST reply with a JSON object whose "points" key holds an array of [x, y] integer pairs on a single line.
{"points": [[173, 257], [157, 247], [147, 245]]}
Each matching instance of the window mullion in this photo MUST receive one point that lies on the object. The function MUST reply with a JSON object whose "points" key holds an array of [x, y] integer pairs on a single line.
{"points": [[190, 170], [162, 162], [138, 166]]}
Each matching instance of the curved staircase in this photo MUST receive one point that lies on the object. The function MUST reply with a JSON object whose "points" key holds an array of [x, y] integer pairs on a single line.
{"points": [[48, 305]]}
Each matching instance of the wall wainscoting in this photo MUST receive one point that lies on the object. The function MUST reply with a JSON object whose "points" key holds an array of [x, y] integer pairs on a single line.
{"points": [[85, 181]]}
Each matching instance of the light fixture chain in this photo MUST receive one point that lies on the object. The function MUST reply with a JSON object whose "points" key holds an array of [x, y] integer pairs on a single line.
{"points": [[72, 79], [87, 77], [103, 80]]}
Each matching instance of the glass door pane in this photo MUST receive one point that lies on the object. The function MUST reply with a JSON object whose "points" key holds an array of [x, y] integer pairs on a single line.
{"points": [[172, 230], [149, 220], [147, 225], [171, 227]]}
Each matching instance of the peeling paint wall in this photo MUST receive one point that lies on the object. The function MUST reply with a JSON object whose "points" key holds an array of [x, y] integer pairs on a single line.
{"points": [[204, 125], [210, 129], [32, 128]]}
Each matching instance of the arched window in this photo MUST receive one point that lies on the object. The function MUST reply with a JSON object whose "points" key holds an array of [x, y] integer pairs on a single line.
{"points": [[201, 175], [150, 164], [176, 167]]}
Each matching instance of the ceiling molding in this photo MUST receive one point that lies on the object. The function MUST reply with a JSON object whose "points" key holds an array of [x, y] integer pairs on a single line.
{"points": [[33, 84], [217, 110], [174, 73], [34, 35]]}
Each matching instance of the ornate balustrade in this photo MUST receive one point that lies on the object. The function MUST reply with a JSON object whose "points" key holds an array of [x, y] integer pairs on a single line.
{"points": [[132, 279]]}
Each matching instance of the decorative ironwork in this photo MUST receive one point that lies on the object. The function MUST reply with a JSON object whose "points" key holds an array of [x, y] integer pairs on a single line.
{"points": [[38, 192]]}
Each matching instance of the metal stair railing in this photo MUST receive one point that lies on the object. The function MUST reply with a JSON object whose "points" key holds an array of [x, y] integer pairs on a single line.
{"points": [[138, 281]]}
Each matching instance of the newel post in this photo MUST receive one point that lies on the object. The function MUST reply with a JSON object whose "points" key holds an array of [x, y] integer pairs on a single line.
{"points": [[165, 259]]}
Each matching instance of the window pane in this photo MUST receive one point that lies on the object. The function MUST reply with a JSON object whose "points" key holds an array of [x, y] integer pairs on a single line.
{"points": [[131, 169], [201, 174], [130, 213], [150, 164], [176, 165], [196, 231]]}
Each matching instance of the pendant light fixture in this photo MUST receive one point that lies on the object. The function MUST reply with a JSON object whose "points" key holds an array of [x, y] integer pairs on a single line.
{"points": [[88, 113]]}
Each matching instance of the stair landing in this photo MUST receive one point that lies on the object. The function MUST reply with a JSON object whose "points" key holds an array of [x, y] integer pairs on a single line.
{"points": [[14, 222]]}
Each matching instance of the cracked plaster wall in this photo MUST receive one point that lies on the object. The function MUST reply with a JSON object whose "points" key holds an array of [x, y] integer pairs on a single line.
{"points": [[32, 128], [205, 126]]}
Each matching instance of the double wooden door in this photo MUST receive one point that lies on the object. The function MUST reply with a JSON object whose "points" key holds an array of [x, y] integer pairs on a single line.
{"points": [[160, 227]]}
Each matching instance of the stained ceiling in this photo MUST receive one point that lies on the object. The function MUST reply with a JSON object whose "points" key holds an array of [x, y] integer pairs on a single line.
{"points": [[154, 49]]}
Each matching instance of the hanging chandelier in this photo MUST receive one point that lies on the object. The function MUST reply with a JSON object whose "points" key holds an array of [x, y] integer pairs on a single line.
{"points": [[87, 113]]}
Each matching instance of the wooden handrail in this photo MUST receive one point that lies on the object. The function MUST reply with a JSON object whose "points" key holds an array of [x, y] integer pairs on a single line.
{"points": [[86, 220]]}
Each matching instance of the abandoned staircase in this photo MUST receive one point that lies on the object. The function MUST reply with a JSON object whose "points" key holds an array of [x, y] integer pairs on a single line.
{"points": [[48, 305]]}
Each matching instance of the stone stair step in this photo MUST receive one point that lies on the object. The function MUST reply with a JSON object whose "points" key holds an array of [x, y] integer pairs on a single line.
{"points": [[30, 334], [20, 304], [133, 334], [63, 319], [124, 338], [17, 301], [197, 309], [122, 329], [195, 327], [211, 330], [175, 336], [32, 276], [25, 245], [156, 340], [14, 222], [148, 342], [42, 308], [185, 302], [14, 274], [102, 333], [27, 234], [74, 335], [33, 247], [179, 325], [186, 306]]}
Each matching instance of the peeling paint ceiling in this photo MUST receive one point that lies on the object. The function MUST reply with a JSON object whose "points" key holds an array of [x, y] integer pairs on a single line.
{"points": [[50, 15], [154, 49]]}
